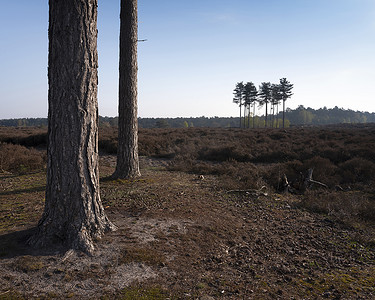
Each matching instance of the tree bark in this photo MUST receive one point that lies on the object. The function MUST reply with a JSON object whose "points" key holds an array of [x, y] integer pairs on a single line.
{"points": [[248, 118], [127, 153], [73, 214], [254, 115], [240, 114]]}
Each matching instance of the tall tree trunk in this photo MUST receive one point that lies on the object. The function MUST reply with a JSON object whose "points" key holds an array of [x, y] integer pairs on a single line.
{"points": [[254, 115], [244, 116], [240, 114], [127, 153], [73, 214], [265, 124], [277, 115], [248, 117], [283, 113]]}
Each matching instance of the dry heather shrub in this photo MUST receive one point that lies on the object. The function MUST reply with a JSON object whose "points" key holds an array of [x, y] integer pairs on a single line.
{"points": [[251, 176], [108, 146], [349, 207], [236, 175], [357, 170], [25, 136], [274, 173], [367, 210], [224, 153], [19, 159], [324, 170], [108, 140], [160, 143], [232, 174]]}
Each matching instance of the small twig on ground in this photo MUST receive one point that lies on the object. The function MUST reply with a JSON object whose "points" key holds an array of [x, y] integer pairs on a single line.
{"points": [[3, 293], [68, 254], [252, 191]]}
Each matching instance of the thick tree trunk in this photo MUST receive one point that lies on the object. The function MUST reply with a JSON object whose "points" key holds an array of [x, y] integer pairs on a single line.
{"points": [[73, 213], [127, 153]]}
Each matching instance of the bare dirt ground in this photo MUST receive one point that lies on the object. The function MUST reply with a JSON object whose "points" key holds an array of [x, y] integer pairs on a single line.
{"points": [[184, 237]]}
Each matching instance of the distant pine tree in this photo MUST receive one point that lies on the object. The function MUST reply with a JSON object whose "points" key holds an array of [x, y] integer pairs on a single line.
{"points": [[286, 92], [250, 96], [238, 97], [265, 96]]}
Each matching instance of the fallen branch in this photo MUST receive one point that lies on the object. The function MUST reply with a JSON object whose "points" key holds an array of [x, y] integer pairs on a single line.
{"points": [[309, 180], [301, 185], [319, 183]]}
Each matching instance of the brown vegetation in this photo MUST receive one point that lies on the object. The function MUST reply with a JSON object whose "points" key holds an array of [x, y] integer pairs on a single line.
{"points": [[232, 234], [342, 157], [19, 159]]}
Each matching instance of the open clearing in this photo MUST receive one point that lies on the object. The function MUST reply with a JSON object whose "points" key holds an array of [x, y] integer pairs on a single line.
{"points": [[182, 237]]}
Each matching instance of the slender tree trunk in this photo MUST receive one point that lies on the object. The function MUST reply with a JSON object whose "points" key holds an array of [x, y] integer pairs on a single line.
{"points": [[265, 123], [248, 117], [73, 214], [127, 153], [283, 113], [277, 115], [240, 115], [254, 115], [244, 115]]}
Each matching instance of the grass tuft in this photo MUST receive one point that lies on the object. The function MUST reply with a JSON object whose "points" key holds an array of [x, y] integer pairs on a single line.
{"points": [[141, 255], [28, 264]]}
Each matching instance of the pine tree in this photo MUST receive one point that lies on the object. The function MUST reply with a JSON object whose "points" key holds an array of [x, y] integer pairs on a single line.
{"points": [[265, 95], [286, 92], [250, 96], [238, 97], [276, 98], [127, 151], [73, 214]]}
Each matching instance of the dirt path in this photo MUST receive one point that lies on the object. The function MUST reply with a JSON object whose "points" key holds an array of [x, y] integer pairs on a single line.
{"points": [[183, 237]]}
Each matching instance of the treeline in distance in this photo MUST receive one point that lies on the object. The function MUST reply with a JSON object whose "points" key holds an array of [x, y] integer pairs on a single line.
{"points": [[293, 117]]}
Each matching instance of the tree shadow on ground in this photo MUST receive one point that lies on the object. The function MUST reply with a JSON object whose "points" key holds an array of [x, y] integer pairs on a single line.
{"points": [[22, 191], [15, 244]]}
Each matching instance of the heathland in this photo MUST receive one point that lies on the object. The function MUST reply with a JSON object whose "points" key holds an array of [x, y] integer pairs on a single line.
{"points": [[217, 214]]}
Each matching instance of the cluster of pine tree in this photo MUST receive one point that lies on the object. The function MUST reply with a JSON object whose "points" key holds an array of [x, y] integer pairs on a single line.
{"points": [[247, 96]]}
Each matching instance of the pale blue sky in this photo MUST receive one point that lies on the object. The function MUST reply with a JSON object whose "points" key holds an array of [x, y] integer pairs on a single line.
{"points": [[197, 50]]}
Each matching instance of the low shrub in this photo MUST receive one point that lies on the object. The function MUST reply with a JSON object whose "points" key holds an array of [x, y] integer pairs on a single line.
{"points": [[223, 153], [357, 170], [324, 170], [349, 207], [19, 159], [108, 146]]}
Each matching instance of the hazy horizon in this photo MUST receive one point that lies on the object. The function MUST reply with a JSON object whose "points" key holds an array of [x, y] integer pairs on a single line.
{"points": [[261, 114]]}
